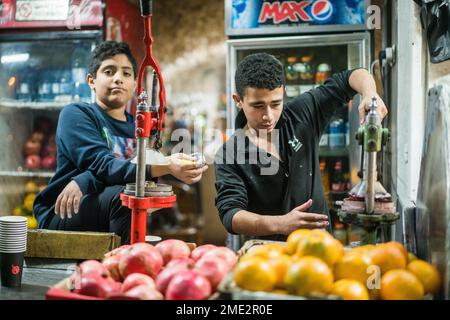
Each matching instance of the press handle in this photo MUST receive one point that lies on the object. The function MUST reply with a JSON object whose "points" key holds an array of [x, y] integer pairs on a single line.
{"points": [[146, 7]]}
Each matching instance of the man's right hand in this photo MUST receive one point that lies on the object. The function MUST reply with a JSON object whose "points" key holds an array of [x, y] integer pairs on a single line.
{"points": [[68, 200], [298, 218]]}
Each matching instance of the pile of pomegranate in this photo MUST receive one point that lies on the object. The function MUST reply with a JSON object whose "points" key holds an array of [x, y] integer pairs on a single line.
{"points": [[40, 149], [168, 270]]}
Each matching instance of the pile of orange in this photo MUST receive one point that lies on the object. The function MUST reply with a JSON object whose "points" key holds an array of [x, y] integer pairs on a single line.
{"points": [[314, 264]]}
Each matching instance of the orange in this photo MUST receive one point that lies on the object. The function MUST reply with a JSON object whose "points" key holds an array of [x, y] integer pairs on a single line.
{"points": [[353, 266], [411, 257], [20, 211], [28, 202], [321, 233], [322, 246], [31, 187], [401, 285], [266, 251], [294, 238], [309, 276], [427, 274], [400, 247], [280, 291], [388, 257], [350, 290], [281, 265], [254, 274], [32, 222], [366, 249]]}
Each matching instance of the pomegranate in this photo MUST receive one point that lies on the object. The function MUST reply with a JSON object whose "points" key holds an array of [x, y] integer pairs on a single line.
{"points": [[49, 149], [213, 269], [199, 251], [97, 286], [144, 292], [173, 249], [33, 162], [164, 277], [118, 250], [32, 147], [137, 279], [37, 136], [187, 262], [93, 267], [223, 253], [49, 162], [112, 264], [188, 285], [140, 258]]}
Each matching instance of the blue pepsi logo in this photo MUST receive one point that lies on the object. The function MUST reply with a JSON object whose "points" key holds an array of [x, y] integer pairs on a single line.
{"points": [[322, 10]]}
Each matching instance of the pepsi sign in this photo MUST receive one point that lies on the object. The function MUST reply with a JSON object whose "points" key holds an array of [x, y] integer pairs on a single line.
{"points": [[264, 14], [320, 11]]}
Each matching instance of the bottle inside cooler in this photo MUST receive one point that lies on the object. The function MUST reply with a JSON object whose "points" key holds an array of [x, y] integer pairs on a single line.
{"points": [[291, 73], [80, 90], [337, 183], [325, 176]]}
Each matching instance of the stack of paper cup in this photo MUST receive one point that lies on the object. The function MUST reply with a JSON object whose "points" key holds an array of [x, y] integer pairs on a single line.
{"points": [[13, 244]]}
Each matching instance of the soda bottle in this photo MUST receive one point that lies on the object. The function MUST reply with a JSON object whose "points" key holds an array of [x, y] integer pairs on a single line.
{"points": [[80, 90], [23, 92], [323, 73], [56, 84], [347, 181], [306, 70], [338, 178], [325, 176], [44, 87], [340, 233], [337, 134], [65, 83], [291, 73]]}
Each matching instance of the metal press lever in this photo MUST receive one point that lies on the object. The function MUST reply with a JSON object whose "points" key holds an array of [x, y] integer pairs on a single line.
{"points": [[372, 137], [373, 124]]}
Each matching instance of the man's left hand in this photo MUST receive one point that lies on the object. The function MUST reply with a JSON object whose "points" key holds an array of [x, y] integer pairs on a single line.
{"points": [[364, 107]]}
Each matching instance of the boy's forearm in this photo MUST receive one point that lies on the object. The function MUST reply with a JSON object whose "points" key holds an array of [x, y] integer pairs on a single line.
{"points": [[252, 224], [159, 171], [363, 82]]}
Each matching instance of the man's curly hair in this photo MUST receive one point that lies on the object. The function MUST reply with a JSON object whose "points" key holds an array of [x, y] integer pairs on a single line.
{"points": [[108, 49], [259, 70]]}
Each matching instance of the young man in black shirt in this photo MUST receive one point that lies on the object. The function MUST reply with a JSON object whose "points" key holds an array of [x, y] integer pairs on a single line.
{"points": [[268, 178]]}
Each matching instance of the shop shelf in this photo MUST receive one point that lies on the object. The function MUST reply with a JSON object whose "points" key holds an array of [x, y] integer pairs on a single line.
{"points": [[8, 103], [30, 174], [333, 152]]}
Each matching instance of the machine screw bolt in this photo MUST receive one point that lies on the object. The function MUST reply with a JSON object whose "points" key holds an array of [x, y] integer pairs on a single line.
{"points": [[372, 129]]}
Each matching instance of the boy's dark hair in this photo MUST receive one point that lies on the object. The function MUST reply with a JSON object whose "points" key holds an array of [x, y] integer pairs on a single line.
{"points": [[259, 70], [107, 50]]}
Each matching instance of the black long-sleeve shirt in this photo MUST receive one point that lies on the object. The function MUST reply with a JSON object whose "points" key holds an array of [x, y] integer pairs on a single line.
{"points": [[243, 184]]}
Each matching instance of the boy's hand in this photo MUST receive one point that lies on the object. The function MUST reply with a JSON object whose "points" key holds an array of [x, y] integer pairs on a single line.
{"points": [[364, 106], [68, 200], [186, 168], [299, 219]]}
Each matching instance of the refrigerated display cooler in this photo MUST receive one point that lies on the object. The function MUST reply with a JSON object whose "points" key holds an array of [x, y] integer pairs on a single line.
{"points": [[44, 53], [45, 47], [313, 39]]}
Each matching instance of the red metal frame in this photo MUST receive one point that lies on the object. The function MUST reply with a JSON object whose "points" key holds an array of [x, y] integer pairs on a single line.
{"points": [[146, 123]]}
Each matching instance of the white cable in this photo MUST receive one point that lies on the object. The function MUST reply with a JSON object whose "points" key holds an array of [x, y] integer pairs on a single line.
{"points": [[372, 66]]}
